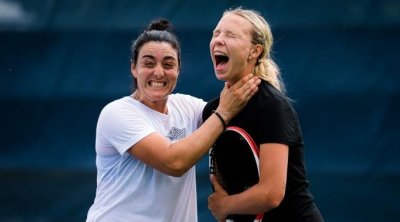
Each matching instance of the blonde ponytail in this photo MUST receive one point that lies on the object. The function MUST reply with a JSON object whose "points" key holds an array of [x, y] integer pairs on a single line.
{"points": [[268, 70]]}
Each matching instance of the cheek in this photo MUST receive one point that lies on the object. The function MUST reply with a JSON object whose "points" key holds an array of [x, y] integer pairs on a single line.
{"points": [[211, 44], [240, 53], [172, 74]]}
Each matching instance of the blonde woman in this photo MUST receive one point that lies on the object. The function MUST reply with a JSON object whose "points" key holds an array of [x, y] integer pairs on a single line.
{"points": [[241, 43]]}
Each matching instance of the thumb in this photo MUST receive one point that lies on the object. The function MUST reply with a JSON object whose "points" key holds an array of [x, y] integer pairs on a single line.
{"points": [[226, 85], [216, 185]]}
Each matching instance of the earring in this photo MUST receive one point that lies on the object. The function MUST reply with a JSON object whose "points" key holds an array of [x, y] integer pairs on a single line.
{"points": [[249, 57]]}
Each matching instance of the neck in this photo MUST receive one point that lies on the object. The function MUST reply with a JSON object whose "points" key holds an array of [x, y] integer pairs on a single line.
{"points": [[249, 69], [159, 106]]}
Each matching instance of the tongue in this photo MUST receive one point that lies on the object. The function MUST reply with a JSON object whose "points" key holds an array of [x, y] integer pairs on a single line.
{"points": [[220, 66]]}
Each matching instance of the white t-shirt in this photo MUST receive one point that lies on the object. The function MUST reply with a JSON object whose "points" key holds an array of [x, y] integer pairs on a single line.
{"points": [[130, 190]]}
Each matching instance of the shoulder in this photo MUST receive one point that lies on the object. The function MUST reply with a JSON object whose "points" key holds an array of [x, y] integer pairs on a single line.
{"points": [[184, 97], [271, 103], [186, 102], [269, 96], [117, 105], [122, 109]]}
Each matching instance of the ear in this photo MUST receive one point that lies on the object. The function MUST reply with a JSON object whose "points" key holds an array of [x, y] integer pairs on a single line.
{"points": [[256, 51], [133, 70]]}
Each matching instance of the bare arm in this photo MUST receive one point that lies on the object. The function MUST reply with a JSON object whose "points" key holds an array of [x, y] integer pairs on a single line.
{"points": [[265, 195], [175, 159]]}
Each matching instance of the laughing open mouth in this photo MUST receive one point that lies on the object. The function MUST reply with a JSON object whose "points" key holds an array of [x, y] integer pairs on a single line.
{"points": [[221, 59]]}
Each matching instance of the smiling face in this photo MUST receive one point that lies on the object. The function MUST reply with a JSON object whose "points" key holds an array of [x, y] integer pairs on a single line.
{"points": [[156, 72], [231, 48]]}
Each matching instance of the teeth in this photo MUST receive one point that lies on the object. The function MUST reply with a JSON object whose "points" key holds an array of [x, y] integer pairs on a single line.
{"points": [[219, 53], [157, 84]]}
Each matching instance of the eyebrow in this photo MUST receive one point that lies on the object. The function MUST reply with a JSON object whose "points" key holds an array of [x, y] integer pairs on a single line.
{"points": [[165, 58], [228, 32], [169, 58], [148, 56]]}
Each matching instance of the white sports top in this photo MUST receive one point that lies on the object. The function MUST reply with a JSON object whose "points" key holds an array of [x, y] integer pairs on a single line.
{"points": [[130, 190]]}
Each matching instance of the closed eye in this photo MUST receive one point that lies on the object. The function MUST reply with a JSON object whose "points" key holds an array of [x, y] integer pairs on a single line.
{"points": [[215, 33]]}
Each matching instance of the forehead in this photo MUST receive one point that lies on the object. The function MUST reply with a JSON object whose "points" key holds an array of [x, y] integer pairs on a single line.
{"points": [[158, 50], [234, 23]]}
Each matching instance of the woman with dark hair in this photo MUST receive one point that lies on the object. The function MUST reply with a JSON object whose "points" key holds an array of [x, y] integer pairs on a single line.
{"points": [[148, 143]]}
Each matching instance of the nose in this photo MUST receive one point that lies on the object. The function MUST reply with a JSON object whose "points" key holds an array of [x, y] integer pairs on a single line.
{"points": [[218, 40], [158, 70]]}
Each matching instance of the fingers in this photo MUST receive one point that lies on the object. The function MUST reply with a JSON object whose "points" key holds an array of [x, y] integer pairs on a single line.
{"points": [[227, 85], [253, 89], [246, 86], [248, 79], [215, 200], [233, 98], [250, 88]]}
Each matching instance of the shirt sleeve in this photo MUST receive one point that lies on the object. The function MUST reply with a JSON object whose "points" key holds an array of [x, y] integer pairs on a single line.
{"points": [[278, 122], [191, 107], [122, 126]]}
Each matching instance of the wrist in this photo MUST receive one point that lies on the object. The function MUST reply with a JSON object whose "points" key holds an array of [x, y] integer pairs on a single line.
{"points": [[221, 118]]}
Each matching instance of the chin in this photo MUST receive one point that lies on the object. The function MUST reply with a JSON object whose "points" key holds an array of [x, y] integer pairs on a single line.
{"points": [[220, 76]]}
